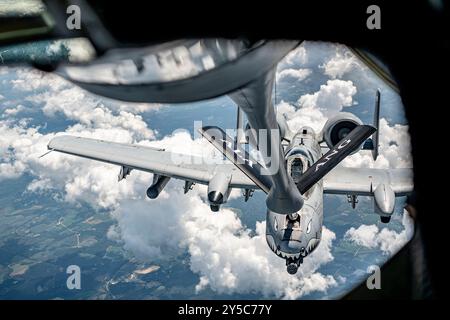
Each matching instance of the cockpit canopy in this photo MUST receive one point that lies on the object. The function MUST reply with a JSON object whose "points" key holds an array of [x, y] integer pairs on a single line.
{"points": [[298, 160]]}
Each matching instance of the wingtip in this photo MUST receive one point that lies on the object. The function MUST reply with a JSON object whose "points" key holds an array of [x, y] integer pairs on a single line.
{"points": [[53, 143]]}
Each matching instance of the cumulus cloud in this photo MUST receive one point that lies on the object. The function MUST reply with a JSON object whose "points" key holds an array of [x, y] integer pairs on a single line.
{"points": [[10, 165], [387, 240], [42, 85], [314, 109], [296, 57], [343, 62], [293, 74], [57, 96], [20, 8], [32, 79], [13, 111], [227, 257], [76, 105], [331, 98], [304, 116], [21, 148], [231, 260]]}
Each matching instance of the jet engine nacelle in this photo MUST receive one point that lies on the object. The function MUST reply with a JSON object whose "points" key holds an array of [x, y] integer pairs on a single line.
{"points": [[218, 190], [159, 182], [338, 127]]}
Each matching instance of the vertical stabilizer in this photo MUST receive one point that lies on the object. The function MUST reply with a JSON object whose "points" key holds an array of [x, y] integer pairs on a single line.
{"points": [[240, 130], [376, 124]]}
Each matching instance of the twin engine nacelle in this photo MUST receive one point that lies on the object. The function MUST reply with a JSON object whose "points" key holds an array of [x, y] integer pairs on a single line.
{"points": [[218, 190], [339, 127]]}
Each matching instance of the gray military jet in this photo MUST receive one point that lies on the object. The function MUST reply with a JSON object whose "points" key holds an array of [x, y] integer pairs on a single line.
{"points": [[293, 172]]}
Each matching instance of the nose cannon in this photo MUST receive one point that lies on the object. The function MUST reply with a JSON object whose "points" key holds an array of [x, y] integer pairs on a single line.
{"points": [[292, 264]]}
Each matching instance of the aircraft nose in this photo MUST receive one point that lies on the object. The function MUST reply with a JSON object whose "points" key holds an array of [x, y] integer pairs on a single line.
{"points": [[291, 246]]}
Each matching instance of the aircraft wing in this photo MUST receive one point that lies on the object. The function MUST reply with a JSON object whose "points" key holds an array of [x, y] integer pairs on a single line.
{"points": [[149, 159], [363, 181]]}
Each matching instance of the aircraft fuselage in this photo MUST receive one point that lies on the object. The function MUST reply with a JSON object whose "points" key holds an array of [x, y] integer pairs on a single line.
{"points": [[294, 236]]}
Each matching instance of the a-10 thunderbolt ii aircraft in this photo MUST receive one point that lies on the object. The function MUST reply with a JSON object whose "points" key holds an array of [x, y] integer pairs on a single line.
{"points": [[294, 173]]}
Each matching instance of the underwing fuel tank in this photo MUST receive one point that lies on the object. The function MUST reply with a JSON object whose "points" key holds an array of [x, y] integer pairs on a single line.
{"points": [[384, 198], [159, 182]]}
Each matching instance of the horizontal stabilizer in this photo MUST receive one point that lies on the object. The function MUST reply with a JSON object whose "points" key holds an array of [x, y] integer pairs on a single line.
{"points": [[335, 155], [239, 157]]}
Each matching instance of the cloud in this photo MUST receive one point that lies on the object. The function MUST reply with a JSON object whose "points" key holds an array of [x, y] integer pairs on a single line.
{"points": [[57, 96], [315, 108], [303, 116], [20, 8], [294, 58], [331, 98], [343, 62], [32, 79], [12, 165], [227, 257], [42, 85], [82, 180], [388, 241], [13, 111], [21, 146], [76, 105], [290, 74]]}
